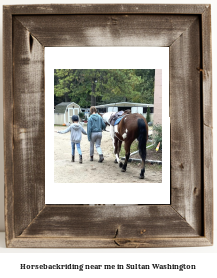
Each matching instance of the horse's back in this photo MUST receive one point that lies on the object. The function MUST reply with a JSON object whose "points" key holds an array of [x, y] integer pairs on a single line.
{"points": [[131, 120], [130, 123]]}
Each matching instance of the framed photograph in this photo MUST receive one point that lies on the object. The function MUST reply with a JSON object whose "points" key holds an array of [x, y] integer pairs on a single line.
{"points": [[76, 183], [186, 217]]}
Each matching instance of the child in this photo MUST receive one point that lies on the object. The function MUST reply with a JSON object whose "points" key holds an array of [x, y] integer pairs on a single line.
{"points": [[76, 130]]}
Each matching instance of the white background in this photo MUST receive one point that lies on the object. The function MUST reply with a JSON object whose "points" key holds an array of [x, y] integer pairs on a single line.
{"points": [[105, 58], [204, 256]]}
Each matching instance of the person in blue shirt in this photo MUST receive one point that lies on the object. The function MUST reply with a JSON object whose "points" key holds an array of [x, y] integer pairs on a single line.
{"points": [[94, 132]]}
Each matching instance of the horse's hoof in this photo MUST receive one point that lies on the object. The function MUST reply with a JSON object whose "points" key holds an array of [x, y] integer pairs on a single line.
{"points": [[120, 164], [123, 170], [115, 161], [141, 177]]}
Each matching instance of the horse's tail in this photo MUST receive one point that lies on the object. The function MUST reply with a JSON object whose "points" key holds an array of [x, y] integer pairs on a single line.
{"points": [[142, 137]]}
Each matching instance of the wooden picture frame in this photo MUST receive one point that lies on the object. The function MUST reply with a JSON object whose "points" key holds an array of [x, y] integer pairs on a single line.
{"points": [[186, 30]]}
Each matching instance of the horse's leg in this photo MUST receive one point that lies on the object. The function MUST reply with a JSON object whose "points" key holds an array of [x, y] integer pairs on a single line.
{"points": [[142, 137], [127, 155], [142, 170], [118, 144], [113, 140], [119, 147]]}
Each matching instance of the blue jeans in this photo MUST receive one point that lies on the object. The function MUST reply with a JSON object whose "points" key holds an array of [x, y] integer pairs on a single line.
{"points": [[78, 148]]}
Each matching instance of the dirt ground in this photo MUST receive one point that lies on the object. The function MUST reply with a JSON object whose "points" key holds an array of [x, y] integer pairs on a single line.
{"points": [[66, 171]]}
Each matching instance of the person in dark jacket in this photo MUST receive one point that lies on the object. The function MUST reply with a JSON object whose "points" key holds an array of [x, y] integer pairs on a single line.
{"points": [[94, 132], [76, 130]]}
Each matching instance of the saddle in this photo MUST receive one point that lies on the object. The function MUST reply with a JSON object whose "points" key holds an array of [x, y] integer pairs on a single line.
{"points": [[116, 118]]}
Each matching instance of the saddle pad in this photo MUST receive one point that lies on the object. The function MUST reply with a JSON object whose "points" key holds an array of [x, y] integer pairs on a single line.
{"points": [[118, 121]]}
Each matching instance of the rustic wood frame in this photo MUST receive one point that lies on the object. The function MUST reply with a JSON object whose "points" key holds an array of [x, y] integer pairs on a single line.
{"points": [[186, 29]]}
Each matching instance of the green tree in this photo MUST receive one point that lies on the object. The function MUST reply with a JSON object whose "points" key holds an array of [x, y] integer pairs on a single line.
{"points": [[65, 80], [85, 86], [146, 87]]}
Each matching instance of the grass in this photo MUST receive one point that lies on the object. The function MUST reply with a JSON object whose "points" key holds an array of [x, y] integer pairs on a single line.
{"points": [[151, 167], [154, 167], [149, 144], [134, 147]]}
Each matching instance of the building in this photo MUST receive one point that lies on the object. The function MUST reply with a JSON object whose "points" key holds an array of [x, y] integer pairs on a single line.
{"points": [[86, 112], [134, 107], [64, 111]]}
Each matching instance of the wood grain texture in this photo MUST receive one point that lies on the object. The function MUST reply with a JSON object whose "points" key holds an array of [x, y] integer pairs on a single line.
{"points": [[207, 122], [106, 9], [185, 116], [107, 30], [208, 182], [29, 131], [108, 243], [207, 66], [184, 28], [8, 125], [109, 222]]}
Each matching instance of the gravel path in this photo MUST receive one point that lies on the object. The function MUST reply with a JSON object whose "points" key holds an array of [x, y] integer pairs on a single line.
{"points": [[91, 172]]}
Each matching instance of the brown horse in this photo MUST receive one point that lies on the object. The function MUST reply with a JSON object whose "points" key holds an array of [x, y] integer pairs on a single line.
{"points": [[131, 127]]}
